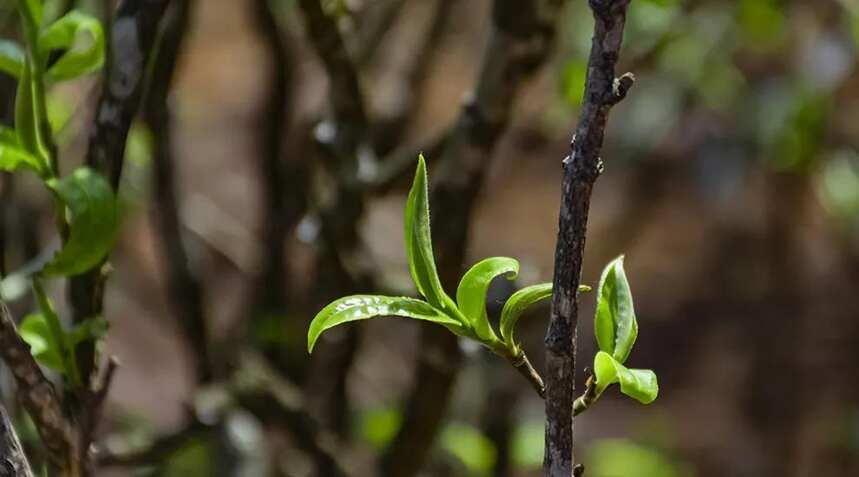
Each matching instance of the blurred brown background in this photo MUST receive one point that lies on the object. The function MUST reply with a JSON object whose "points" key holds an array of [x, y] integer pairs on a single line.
{"points": [[731, 183]]}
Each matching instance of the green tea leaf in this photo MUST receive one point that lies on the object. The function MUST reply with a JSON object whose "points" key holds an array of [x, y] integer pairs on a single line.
{"points": [[471, 293], [419, 241], [13, 156], [82, 38], [614, 325], [57, 338], [43, 346], [11, 58], [363, 307], [639, 384], [94, 221], [516, 306]]}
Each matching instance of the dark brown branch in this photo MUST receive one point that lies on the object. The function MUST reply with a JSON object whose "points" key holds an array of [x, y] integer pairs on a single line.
{"points": [[184, 287], [340, 264], [13, 461], [133, 33], [520, 41], [283, 182], [37, 394], [581, 169]]}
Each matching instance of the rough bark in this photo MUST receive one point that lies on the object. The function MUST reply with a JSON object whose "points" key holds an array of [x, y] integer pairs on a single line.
{"points": [[581, 169], [13, 461]]}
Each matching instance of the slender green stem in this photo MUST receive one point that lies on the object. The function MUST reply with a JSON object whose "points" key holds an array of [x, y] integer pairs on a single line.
{"points": [[43, 130]]}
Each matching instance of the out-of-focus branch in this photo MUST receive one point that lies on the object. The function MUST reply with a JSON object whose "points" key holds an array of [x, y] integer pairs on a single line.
{"points": [[380, 19], [282, 182], [274, 400], [341, 266], [14, 462], [158, 450], [409, 73], [37, 395], [521, 39], [133, 31], [183, 283], [581, 169]]}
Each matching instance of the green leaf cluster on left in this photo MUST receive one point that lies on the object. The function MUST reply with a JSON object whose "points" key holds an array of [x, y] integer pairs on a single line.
{"points": [[85, 203], [466, 316]]}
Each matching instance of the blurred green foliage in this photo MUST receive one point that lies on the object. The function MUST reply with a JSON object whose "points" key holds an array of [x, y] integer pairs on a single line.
{"points": [[624, 458]]}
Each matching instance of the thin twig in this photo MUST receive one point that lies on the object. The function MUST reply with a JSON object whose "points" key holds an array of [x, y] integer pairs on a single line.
{"points": [[581, 169], [13, 461], [524, 367]]}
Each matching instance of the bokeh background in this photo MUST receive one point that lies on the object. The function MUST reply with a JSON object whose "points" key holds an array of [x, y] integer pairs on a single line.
{"points": [[731, 184]]}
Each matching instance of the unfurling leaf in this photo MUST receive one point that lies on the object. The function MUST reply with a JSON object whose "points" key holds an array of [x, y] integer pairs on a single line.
{"points": [[615, 325], [82, 39], [639, 384], [516, 305], [471, 293], [419, 242], [93, 222], [11, 58], [363, 307]]}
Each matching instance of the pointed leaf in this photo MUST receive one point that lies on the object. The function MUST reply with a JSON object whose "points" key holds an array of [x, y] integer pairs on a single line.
{"points": [[36, 333], [516, 306], [11, 58], [639, 384], [94, 221], [614, 325], [419, 241], [363, 307], [471, 293], [82, 38]]}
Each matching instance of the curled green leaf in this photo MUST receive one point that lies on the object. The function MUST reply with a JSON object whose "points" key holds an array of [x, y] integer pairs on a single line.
{"points": [[615, 325], [11, 58], [363, 307], [419, 241], [81, 37], [639, 384], [516, 306], [471, 293], [94, 221]]}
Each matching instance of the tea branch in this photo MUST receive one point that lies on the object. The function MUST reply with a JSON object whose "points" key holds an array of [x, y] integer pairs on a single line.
{"points": [[14, 462], [37, 395], [581, 169]]}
